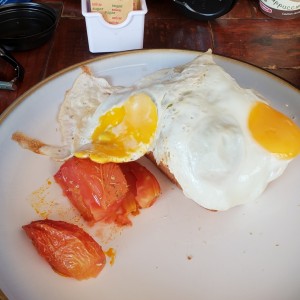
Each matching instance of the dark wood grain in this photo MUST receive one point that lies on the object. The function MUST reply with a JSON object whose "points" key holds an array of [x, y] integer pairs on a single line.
{"points": [[259, 42], [244, 33], [70, 46], [174, 34]]}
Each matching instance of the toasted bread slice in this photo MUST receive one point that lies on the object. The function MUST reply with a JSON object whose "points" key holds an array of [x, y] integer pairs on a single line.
{"points": [[163, 168]]}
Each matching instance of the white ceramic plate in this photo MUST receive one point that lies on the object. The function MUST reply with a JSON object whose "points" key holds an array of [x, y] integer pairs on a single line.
{"points": [[176, 249]]}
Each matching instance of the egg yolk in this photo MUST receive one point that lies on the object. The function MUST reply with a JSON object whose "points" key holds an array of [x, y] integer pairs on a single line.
{"points": [[123, 132], [274, 131]]}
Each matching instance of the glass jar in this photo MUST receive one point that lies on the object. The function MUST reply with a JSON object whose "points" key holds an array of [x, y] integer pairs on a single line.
{"points": [[281, 9]]}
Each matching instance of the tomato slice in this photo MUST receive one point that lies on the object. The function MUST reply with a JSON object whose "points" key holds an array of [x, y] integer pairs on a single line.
{"points": [[128, 205], [68, 249], [94, 189], [107, 192], [147, 188]]}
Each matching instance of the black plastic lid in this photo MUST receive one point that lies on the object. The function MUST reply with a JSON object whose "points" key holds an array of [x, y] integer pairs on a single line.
{"points": [[204, 9], [24, 26]]}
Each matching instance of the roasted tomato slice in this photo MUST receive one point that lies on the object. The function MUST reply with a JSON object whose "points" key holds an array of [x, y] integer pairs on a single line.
{"points": [[128, 205], [94, 189], [143, 190], [146, 188], [107, 192], [68, 249]]}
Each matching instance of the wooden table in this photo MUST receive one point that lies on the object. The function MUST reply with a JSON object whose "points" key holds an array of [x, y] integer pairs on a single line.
{"points": [[244, 34]]}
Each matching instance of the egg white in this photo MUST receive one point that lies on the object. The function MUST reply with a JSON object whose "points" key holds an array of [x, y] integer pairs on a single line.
{"points": [[79, 107], [205, 141]]}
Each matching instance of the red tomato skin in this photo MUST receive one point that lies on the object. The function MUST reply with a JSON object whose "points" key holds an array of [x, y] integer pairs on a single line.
{"points": [[68, 249], [147, 188], [94, 189]]}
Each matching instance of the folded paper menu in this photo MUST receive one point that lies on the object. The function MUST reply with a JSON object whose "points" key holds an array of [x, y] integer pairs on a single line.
{"points": [[114, 11]]}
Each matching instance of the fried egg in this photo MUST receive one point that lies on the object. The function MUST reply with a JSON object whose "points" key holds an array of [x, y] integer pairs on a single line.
{"points": [[222, 143]]}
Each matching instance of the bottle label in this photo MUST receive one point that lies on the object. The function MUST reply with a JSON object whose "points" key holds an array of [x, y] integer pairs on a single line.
{"points": [[282, 9]]}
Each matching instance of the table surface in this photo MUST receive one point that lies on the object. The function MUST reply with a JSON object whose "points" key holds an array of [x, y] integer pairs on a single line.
{"points": [[245, 34]]}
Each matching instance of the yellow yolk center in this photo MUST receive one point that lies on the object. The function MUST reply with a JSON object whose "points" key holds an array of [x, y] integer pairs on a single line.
{"points": [[274, 131], [124, 132]]}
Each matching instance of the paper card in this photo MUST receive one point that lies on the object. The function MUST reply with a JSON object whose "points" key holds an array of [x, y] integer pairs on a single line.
{"points": [[114, 11]]}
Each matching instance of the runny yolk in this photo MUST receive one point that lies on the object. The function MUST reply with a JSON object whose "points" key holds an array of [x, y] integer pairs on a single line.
{"points": [[274, 131], [124, 131]]}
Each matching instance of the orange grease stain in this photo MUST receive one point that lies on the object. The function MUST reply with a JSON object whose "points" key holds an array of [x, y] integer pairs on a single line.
{"points": [[106, 232], [47, 207], [39, 201], [111, 253]]}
